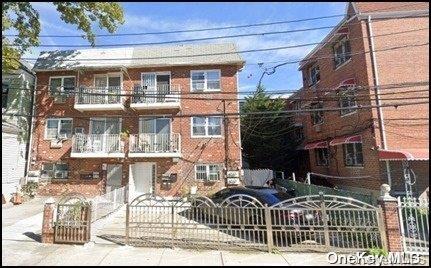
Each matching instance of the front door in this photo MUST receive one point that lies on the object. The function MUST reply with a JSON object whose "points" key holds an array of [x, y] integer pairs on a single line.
{"points": [[143, 177], [114, 175]]}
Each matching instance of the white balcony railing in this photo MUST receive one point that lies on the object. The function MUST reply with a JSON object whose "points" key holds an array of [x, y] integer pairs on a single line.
{"points": [[154, 143], [98, 95], [158, 94], [97, 143]]}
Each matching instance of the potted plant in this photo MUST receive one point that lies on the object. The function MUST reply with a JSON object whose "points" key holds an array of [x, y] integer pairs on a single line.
{"points": [[124, 134]]}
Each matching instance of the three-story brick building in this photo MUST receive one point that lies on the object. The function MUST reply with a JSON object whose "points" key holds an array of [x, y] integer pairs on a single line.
{"points": [[378, 55], [150, 117]]}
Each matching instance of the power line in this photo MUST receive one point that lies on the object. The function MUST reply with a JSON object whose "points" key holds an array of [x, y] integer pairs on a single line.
{"points": [[243, 114], [225, 53], [217, 28]]}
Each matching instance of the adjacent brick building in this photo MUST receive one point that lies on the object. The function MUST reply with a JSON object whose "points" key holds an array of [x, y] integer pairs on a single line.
{"points": [[342, 73], [103, 137]]}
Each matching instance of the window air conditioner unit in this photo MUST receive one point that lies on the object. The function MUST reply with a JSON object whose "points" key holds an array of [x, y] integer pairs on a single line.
{"points": [[60, 175], [56, 144], [349, 161]]}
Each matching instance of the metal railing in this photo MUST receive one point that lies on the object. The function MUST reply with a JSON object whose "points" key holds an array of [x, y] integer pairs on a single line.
{"points": [[154, 143], [104, 205], [111, 95], [309, 223], [157, 94], [97, 143], [414, 224]]}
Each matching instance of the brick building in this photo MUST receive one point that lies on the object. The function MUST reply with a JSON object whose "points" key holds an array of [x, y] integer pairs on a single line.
{"points": [[103, 137], [377, 48]]}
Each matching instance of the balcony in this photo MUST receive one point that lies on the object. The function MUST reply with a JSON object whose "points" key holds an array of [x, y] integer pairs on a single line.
{"points": [[164, 96], [155, 145], [97, 145], [99, 99]]}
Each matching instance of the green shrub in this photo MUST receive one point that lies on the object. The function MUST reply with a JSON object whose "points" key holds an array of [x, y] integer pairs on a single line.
{"points": [[29, 189], [376, 251]]}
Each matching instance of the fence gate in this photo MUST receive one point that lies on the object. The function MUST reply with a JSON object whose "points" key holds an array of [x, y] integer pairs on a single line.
{"points": [[73, 220], [414, 215], [309, 223]]}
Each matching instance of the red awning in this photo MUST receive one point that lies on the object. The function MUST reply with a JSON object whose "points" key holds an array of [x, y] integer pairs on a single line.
{"points": [[346, 139], [404, 154], [314, 145], [351, 82], [342, 30]]}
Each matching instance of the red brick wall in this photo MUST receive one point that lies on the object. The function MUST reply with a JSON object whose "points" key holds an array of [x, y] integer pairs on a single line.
{"points": [[396, 66], [194, 150]]}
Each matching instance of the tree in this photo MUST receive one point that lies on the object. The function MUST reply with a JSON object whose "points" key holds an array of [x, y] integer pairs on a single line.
{"points": [[267, 139], [23, 19]]}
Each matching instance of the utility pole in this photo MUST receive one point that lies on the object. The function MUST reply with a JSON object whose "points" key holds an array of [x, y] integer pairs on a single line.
{"points": [[226, 144]]}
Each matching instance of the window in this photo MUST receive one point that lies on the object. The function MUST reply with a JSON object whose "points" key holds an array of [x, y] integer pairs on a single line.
{"points": [[353, 154], [348, 101], [58, 128], [55, 171], [207, 172], [206, 126], [317, 116], [60, 87], [322, 156], [314, 75], [341, 51], [206, 80], [298, 133], [5, 92], [79, 130]]}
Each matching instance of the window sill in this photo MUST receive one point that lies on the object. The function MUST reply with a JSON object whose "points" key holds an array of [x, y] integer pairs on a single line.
{"points": [[205, 90], [342, 64], [354, 112], [206, 137], [353, 166]]}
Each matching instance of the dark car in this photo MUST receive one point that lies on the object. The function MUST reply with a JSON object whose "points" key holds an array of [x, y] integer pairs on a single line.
{"points": [[265, 195]]}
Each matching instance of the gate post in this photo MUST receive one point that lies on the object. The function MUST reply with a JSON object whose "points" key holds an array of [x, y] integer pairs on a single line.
{"points": [[127, 223], [48, 221], [391, 219], [325, 221], [268, 222]]}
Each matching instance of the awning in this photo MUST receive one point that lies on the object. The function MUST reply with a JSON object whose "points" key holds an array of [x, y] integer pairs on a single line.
{"points": [[346, 139], [404, 154], [315, 145], [351, 82]]}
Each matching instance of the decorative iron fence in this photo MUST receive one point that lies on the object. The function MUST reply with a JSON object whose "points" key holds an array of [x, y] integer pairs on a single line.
{"points": [[157, 94], [414, 223], [96, 143], [154, 143], [310, 223], [98, 95], [104, 205], [302, 189], [73, 221]]}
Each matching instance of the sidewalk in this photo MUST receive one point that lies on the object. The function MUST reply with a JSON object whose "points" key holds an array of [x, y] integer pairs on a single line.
{"points": [[31, 253]]}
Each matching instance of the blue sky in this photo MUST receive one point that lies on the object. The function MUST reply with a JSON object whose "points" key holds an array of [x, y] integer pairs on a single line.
{"points": [[146, 17]]}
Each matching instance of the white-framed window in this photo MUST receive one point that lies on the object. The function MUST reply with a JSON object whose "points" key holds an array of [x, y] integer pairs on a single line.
{"points": [[322, 156], [61, 86], [205, 80], [342, 52], [55, 171], [206, 126], [353, 154], [56, 128], [314, 75], [347, 101], [208, 172], [316, 116]]}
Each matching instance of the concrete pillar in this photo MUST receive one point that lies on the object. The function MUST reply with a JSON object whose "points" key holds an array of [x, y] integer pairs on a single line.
{"points": [[390, 219], [48, 221]]}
